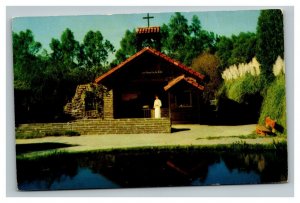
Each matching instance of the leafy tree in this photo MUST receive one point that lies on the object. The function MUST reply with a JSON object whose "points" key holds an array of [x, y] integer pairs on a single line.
{"points": [[185, 42], [270, 39], [175, 42], [128, 47], [44, 82], [243, 48], [236, 49], [25, 49], [207, 64], [96, 49], [179, 40], [56, 54], [69, 48], [198, 41], [28, 68], [224, 49]]}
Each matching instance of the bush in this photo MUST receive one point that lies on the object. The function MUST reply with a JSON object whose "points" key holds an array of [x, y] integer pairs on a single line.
{"points": [[53, 133], [274, 104], [35, 134], [71, 133], [240, 88], [62, 133]]}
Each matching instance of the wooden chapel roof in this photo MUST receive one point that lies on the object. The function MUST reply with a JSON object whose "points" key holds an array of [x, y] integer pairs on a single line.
{"points": [[181, 66], [180, 78]]}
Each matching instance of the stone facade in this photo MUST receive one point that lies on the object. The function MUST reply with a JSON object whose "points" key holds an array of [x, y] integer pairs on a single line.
{"points": [[100, 126], [108, 105], [77, 108]]}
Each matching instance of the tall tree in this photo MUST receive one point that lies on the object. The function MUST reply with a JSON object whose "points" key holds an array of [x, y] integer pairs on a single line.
{"points": [[244, 46], [96, 49], [128, 47], [198, 41], [178, 31], [236, 49], [224, 48], [69, 48], [28, 69], [25, 60], [208, 64], [56, 54], [179, 40], [270, 39]]}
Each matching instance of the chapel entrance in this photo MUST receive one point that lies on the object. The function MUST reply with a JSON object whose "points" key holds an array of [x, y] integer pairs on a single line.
{"points": [[136, 101]]}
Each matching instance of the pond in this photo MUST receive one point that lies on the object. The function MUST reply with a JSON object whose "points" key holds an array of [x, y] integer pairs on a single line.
{"points": [[150, 168]]}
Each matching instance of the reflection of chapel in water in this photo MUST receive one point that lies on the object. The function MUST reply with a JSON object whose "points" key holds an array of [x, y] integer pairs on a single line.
{"points": [[133, 84]]}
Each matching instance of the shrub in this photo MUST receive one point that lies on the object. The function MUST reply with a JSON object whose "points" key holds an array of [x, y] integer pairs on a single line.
{"points": [[53, 133], [240, 88], [238, 71], [71, 133], [274, 104], [35, 134]]}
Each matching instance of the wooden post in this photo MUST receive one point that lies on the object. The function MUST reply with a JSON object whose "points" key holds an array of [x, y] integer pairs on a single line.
{"points": [[169, 100]]}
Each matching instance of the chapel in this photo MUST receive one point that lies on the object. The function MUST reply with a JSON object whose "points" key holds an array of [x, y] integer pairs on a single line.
{"points": [[131, 86]]}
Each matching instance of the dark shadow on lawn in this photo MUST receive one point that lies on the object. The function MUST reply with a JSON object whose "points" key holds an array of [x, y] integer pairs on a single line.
{"points": [[24, 148], [174, 130]]}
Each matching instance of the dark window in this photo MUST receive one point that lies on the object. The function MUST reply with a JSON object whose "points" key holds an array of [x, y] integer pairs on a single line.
{"points": [[183, 99], [90, 100]]}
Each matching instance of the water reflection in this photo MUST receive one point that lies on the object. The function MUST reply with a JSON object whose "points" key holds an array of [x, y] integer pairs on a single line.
{"points": [[150, 169], [65, 182], [219, 174]]}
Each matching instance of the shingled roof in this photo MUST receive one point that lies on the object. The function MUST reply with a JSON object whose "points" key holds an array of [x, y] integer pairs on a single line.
{"points": [[180, 78], [154, 52], [146, 30]]}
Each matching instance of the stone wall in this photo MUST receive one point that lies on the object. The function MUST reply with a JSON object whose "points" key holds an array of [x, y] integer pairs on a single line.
{"points": [[108, 109], [77, 107], [100, 126]]}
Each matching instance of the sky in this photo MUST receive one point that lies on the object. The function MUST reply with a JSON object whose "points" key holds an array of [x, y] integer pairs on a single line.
{"points": [[114, 26]]}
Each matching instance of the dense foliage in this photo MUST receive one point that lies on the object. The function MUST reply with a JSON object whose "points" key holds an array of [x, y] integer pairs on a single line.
{"points": [[179, 40], [236, 49], [208, 64], [44, 82], [270, 39], [274, 104]]}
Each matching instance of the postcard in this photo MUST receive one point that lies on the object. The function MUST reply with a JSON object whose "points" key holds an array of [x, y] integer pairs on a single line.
{"points": [[150, 100]]}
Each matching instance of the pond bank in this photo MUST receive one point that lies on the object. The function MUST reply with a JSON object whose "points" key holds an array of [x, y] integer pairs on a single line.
{"points": [[182, 136]]}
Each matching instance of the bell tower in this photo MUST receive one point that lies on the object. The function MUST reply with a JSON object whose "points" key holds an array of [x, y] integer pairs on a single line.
{"points": [[149, 36]]}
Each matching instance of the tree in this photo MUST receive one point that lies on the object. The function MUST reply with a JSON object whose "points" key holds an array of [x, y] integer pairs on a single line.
{"points": [[128, 47], [270, 40], [174, 42], [28, 69], [69, 48], [236, 49], [25, 49], [56, 54], [207, 64], [179, 40], [243, 50], [45, 82], [224, 48], [198, 41], [185, 42], [96, 49]]}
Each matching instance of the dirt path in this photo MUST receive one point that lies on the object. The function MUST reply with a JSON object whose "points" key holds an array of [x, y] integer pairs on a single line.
{"points": [[183, 135]]}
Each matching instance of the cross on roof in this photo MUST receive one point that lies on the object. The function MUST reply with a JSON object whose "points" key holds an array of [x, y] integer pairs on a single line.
{"points": [[148, 18]]}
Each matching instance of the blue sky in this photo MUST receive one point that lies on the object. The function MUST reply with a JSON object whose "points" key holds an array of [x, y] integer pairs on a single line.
{"points": [[113, 27]]}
